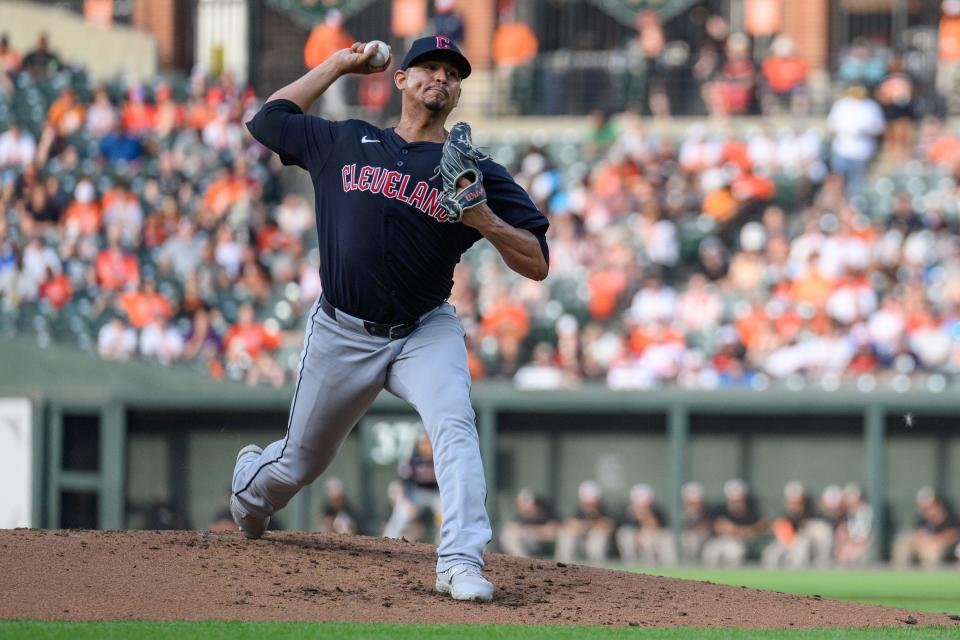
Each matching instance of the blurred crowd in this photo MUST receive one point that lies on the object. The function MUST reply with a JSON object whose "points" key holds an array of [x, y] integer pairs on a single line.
{"points": [[836, 531], [720, 72], [836, 527], [720, 259], [141, 220]]}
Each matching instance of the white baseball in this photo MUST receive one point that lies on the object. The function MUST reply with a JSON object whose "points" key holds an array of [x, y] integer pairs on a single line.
{"points": [[381, 56]]}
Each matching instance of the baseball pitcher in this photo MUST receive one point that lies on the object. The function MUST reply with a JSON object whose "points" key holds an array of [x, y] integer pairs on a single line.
{"points": [[396, 208]]}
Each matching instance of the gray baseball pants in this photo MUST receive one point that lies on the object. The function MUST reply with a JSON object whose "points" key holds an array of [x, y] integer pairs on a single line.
{"points": [[342, 369]]}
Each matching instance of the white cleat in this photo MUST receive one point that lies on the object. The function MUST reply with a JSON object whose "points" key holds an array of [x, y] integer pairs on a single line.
{"points": [[251, 526], [465, 582]]}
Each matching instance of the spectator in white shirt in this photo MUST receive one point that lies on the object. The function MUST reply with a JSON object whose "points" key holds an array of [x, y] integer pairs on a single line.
{"points": [[116, 341], [220, 133], [886, 326], [17, 147], [38, 259], [700, 308], [161, 342], [654, 302], [228, 252], [543, 371], [182, 253], [101, 116], [856, 122], [294, 215], [9, 267], [126, 213]]}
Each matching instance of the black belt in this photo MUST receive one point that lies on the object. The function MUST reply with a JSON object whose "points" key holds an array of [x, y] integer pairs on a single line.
{"points": [[379, 329]]}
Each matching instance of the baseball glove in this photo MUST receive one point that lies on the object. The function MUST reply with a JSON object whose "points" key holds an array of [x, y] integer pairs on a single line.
{"points": [[459, 159]]}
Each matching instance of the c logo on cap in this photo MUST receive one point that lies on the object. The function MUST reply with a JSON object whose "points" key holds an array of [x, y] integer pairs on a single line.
{"points": [[443, 42]]}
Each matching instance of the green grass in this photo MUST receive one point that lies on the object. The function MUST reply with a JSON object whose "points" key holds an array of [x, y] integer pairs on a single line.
{"points": [[348, 631], [937, 591]]}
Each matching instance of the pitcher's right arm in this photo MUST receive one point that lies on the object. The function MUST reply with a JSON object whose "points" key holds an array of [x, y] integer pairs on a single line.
{"points": [[304, 91], [281, 124]]}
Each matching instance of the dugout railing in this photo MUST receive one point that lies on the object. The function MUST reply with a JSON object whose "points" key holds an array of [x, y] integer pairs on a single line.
{"points": [[104, 454]]}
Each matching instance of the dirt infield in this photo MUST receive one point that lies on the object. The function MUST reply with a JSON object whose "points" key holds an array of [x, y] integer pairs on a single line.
{"points": [[192, 575]]}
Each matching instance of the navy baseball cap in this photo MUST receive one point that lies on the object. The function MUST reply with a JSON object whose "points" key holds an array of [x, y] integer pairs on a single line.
{"points": [[437, 47]]}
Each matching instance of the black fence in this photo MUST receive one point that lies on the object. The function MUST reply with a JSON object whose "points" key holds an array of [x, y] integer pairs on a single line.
{"points": [[585, 60]]}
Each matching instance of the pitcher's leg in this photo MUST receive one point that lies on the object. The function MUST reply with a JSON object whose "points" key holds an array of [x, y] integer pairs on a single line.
{"points": [[431, 374], [341, 373]]}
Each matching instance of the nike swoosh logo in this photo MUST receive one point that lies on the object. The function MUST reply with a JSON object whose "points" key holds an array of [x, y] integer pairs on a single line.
{"points": [[365, 139]]}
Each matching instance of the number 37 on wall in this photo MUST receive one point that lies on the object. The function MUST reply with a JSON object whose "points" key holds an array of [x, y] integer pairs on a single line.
{"points": [[388, 441]]}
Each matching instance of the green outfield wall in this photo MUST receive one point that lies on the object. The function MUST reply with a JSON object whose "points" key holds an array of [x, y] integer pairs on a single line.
{"points": [[110, 439]]}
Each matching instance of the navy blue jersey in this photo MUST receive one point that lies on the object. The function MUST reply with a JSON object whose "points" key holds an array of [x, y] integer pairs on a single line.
{"points": [[386, 252]]}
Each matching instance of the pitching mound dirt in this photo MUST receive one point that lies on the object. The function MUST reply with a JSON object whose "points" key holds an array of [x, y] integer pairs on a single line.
{"points": [[190, 575]]}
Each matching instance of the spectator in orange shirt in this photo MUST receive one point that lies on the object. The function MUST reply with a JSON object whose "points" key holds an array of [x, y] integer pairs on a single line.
{"points": [[506, 317], [750, 186], [138, 116], [248, 336], [948, 67], [605, 288], [168, 115], [326, 38], [10, 60], [657, 333], [949, 31], [56, 288], [226, 190], [475, 364], [145, 305], [944, 147], [721, 205], [114, 268], [785, 76], [199, 113], [66, 115], [507, 321], [736, 152], [811, 286], [752, 324]]}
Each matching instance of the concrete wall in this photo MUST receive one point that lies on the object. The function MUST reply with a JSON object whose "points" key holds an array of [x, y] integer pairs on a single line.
{"points": [[104, 52]]}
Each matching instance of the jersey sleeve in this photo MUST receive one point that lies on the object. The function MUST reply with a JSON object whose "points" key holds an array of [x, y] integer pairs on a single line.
{"points": [[303, 140], [510, 202]]}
